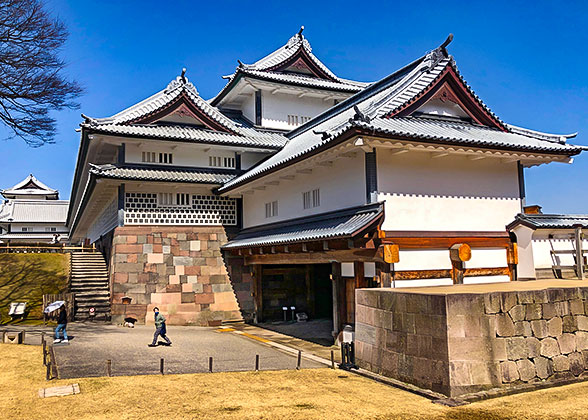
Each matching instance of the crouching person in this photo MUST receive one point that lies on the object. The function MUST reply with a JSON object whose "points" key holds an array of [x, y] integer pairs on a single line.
{"points": [[160, 329]]}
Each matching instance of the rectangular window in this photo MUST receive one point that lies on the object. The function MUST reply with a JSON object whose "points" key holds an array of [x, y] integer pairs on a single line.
{"points": [[271, 209], [165, 158], [304, 119], [24, 229], [183, 199], [292, 119], [316, 198], [165, 199], [221, 162], [311, 198], [148, 157], [306, 200], [50, 229]]}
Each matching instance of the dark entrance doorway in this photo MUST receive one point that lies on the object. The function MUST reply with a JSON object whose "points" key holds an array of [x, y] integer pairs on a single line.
{"points": [[307, 287]]}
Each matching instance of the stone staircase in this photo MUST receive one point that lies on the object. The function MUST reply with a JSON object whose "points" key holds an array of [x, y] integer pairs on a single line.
{"points": [[90, 284]]}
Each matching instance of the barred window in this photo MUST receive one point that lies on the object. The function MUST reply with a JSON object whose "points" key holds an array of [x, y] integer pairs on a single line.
{"points": [[271, 209], [311, 198]]}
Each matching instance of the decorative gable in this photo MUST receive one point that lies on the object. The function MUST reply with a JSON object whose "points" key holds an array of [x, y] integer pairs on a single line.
{"points": [[448, 95], [301, 62]]}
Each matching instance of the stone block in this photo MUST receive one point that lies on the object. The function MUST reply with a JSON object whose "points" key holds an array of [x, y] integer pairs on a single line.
{"points": [[509, 371], [182, 261], [523, 328], [517, 313], [187, 287], [526, 370], [166, 249], [577, 307], [567, 343], [218, 288], [533, 311], [555, 295], [147, 248], [554, 327], [549, 347], [204, 298], [549, 310], [576, 363], [120, 258], [507, 301], [504, 325], [460, 373], [562, 308], [571, 293], [187, 297], [199, 288], [539, 328], [174, 279], [544, 367], [365, 333], [533, 347], [492, 303], [179, 270], [582, 322], [540, 296], [195, 246], [218, 279], [129, 248], [155, 258], [174, 288], [561, 363], [525, 297], [581, 340], [569, 324], [516, 348], [121, 277]]}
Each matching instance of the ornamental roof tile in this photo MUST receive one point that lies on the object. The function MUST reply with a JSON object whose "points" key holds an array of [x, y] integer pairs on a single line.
{"points": [[339, 224], [157, 173]]}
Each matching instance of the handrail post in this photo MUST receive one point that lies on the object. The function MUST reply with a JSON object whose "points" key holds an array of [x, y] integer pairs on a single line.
{"points": [[579, 254]]}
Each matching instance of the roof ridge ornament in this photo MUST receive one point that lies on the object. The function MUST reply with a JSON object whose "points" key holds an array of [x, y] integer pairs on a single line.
{"points": [[324, 135], [359, 116], [438, 54], [183, 75]]}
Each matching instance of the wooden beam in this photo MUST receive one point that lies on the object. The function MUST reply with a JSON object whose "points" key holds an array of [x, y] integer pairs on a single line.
{"points": [[339, 301], [476, 157], [256, 274], [327, 163], [383, 273], [460, 252], [398, 152], [437, 155], [359, 274], [492, 271], [421, 274], [318, 257], [304, 171], [447, 242], [287, 177]]}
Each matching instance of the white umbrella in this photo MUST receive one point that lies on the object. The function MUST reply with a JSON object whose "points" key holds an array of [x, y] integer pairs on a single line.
{"points": [[54, 306]]}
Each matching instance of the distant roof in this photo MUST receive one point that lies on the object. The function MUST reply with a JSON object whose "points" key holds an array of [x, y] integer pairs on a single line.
{"points": [[292, 64], [338, 224], [29, 186], [383, 108], [157, 173], [550, 221], [34, 211]]}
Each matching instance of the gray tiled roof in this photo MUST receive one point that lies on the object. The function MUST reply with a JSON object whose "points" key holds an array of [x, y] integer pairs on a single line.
{"points": [[174, 174], [389, 94], [41, 189], [35, 236], [339, 224], [180, 85], [307, 81], [249, 138], [34, 211], [550, 221]]}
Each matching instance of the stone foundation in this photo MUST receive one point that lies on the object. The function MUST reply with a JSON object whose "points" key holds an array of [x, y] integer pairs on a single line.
{"points": [[179, 269], [458, 343]]}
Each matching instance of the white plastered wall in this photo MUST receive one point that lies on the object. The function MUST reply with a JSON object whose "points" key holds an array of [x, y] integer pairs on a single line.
{"points": [[183, 155], [276, 108], [341, 185], [450, 193], [544, 241]]}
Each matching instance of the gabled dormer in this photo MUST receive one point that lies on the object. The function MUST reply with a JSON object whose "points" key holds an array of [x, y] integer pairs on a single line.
{"points": [[285, 88]]}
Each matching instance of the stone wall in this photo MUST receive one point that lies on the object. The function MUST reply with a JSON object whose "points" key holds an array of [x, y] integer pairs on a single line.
{"points": [[459, 343], [179, 269]]}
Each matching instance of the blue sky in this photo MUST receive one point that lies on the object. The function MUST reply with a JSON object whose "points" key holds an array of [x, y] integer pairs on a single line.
{"points": [[526, 60]]}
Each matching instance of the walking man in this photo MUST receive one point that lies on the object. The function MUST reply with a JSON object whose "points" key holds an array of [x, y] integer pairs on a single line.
{"points": [[160, 329], [61, 326]]}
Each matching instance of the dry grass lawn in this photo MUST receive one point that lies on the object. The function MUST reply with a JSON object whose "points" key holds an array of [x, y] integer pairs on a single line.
{"points": [[307, 394]]}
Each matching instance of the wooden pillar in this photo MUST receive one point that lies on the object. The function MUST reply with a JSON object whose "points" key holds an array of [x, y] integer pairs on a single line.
{"points": [[359, 273], [383, 273], [459, 253], [579, 252], [339, 304], [512, 258], [256, 272]]}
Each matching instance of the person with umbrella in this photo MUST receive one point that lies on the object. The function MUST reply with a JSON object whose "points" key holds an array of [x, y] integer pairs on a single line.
{"points": [[61, 326]]}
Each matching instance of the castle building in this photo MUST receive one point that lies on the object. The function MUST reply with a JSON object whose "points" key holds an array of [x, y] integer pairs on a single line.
{"points": [[32, 213], [294, 186]]}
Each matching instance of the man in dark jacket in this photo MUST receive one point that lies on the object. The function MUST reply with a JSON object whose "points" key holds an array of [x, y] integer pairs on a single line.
{"points": [[160, 329], [61, 326]]}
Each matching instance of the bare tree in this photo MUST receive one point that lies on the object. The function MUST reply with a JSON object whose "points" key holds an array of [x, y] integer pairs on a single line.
{"points": [[32, 83]]}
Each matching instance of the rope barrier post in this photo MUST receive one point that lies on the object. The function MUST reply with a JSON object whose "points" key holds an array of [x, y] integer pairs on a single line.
{"points": [[332, 359], [299, 360], [109, 367], [210, 364], [161, 366], [257, 362]]}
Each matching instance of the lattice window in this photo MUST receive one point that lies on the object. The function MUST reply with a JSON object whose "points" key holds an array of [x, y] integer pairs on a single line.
{"points": [[186, 209], [271, 209]]}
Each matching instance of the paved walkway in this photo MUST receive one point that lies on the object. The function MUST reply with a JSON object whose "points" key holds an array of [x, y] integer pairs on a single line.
{"points": [[92, 345]]}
